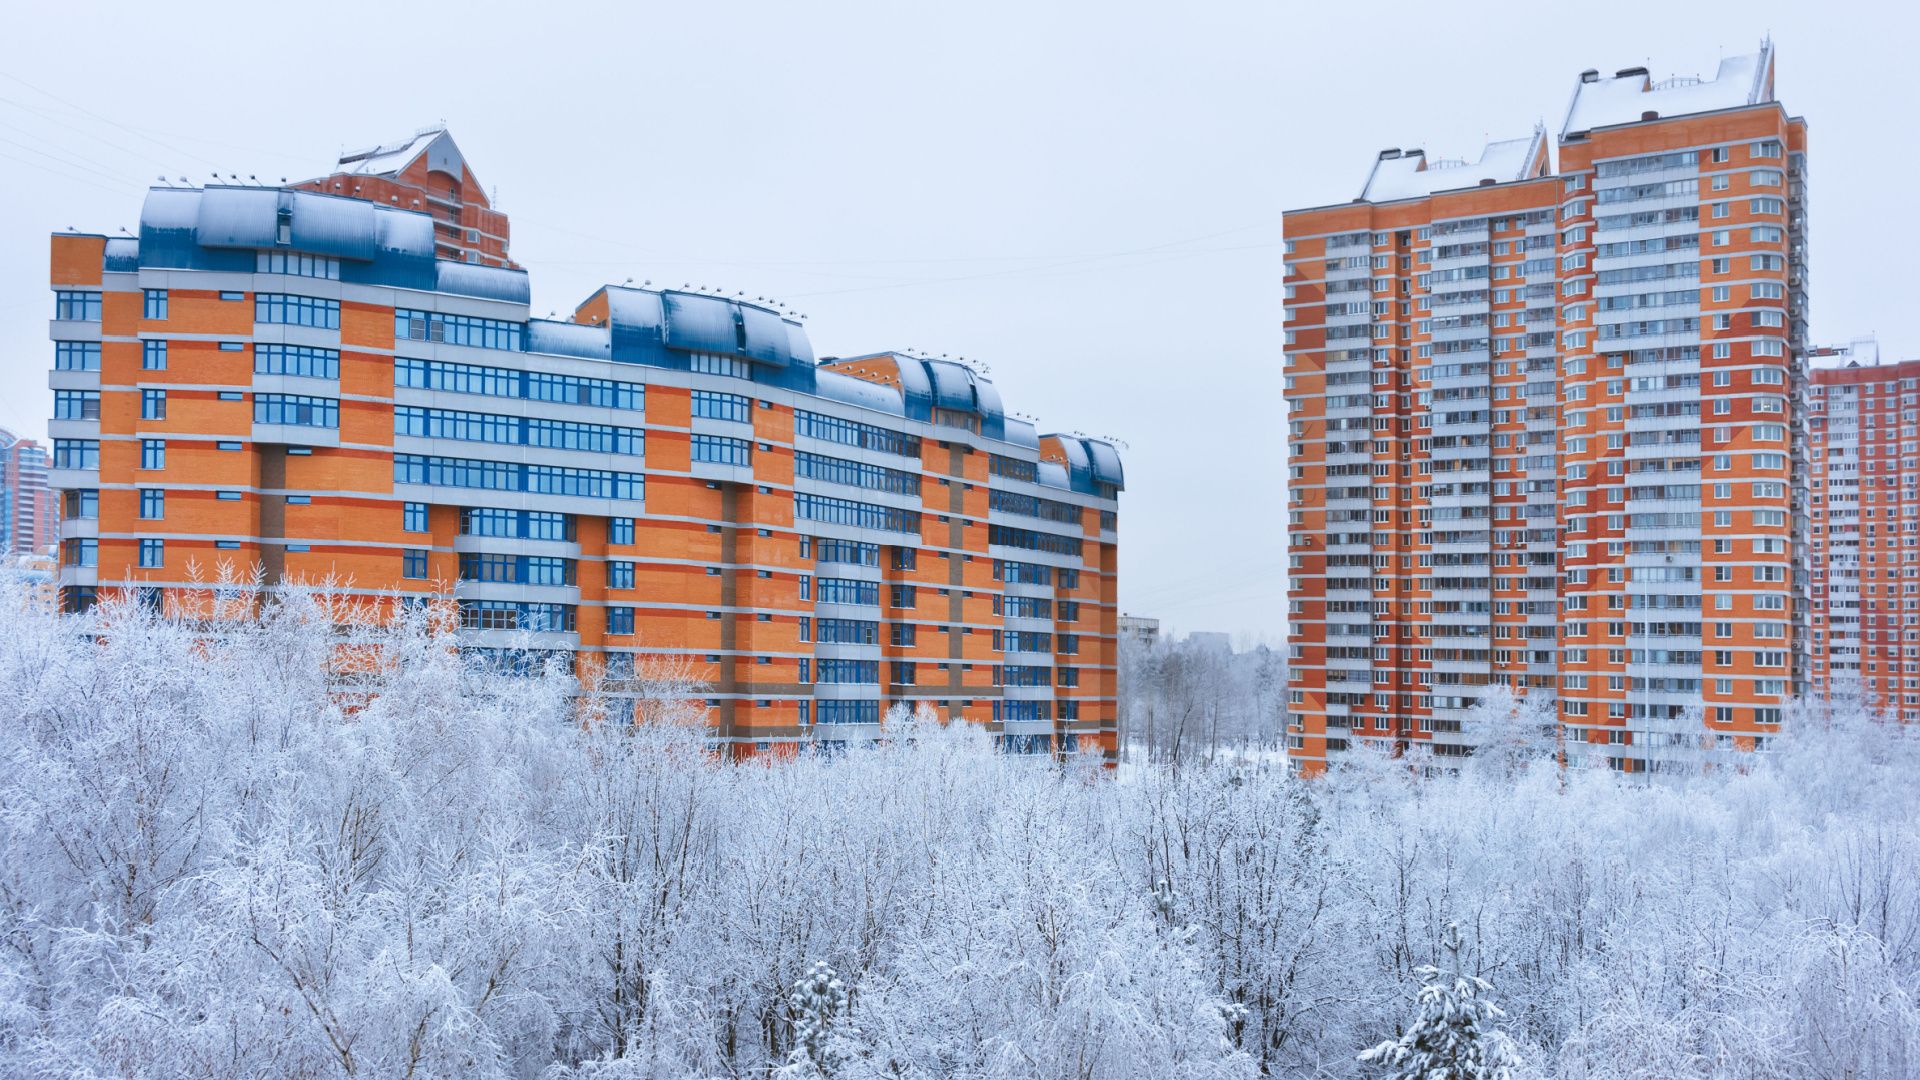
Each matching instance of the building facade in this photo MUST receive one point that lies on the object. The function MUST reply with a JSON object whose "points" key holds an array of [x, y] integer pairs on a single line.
{"points": [[1863, 504], [1543, 429], [322, 381], [29, 518]]}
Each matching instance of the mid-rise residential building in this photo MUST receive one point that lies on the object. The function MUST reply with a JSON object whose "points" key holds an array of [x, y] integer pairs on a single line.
{"points": [[29, 520], [326, 380], [1863, 508], [1542, 429]]}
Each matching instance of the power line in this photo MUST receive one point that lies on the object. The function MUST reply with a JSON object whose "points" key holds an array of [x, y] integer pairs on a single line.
{"points": [[62, 174], [105, 120]]}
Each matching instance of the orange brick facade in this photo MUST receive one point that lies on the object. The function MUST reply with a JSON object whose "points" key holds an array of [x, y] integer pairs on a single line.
{"points": [[324, 382], [1863, 508], [1543, 431]]}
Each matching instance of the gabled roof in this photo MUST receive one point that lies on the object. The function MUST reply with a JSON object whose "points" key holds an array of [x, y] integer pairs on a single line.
{"points": [[391, 159], [1631, 93], [1410, 175]]}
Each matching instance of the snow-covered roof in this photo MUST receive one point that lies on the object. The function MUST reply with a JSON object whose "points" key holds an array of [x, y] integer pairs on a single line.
{"points": [[1630, 94], [1410, 175], [389, 159], [1860, 352]]}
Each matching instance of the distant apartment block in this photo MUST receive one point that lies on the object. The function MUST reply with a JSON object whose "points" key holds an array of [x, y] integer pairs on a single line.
{"points": [[1863, 508], [29, 521], [1542, 429], [343, 377], [1139, 628]]}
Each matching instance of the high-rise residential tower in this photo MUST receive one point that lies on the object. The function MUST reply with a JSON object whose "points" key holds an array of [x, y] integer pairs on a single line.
{"points": [[326, 379], [1863, 509], [29, 520], [1621, 337]]}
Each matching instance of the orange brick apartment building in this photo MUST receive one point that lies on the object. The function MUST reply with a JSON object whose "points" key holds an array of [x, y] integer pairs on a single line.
{"points": [[343, 378], [1863, 510], [1543, 430]]}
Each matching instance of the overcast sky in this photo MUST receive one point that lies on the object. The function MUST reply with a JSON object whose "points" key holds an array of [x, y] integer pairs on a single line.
{"points": [[1087, 198]]}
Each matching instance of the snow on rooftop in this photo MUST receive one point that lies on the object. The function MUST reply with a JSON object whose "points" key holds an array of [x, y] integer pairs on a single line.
{"points": [[389, 158], [1412, 175], [1625, 98], [1860, 352]]}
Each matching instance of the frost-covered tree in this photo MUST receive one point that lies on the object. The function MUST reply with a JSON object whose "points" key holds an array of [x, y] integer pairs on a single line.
{"points": [[819, 1003], [1456, 1035], [300, 834]]}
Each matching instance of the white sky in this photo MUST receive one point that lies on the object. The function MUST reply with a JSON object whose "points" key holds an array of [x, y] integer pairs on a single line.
{"points": [[1086, 197]]}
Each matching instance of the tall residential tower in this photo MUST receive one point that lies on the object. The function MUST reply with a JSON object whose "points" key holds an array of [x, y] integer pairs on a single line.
{"points": [[1523, 396], [1863, 507]]}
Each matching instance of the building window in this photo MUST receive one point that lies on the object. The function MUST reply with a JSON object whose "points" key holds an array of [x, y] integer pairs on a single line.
{"points": [[76, 404], [81, 551], [619, 620], [153, 504], [716, 406], [156, 304], [153, 356], [153, 454], [719, 450], [76, 355], [413, 564], [289, 310], [76, 453], [76, 306], [716, 364], [153, 553], [619, 574], [296, 410], [80, 504], [296, 264], [620, 530], [410, 325], [304, 360], [413, 517], [904, 596], [153, 404]]}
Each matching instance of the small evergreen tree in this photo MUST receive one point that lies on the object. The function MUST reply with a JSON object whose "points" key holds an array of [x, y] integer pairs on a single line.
{"points": [[819, 1002], [1454, 1037]]}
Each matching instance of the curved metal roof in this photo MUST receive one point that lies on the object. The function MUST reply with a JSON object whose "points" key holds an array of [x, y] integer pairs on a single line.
{"points": [[489, 282], [569, 339], [1022, 433], [853, 391]]}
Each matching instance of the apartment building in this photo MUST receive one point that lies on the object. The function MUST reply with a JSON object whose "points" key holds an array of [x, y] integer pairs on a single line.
{"points": [[326, 380], [1863, 508], [29, 520], [1542, 429]]}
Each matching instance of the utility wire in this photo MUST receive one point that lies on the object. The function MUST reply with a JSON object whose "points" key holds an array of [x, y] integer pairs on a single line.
{"points": [[105, 120]]}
